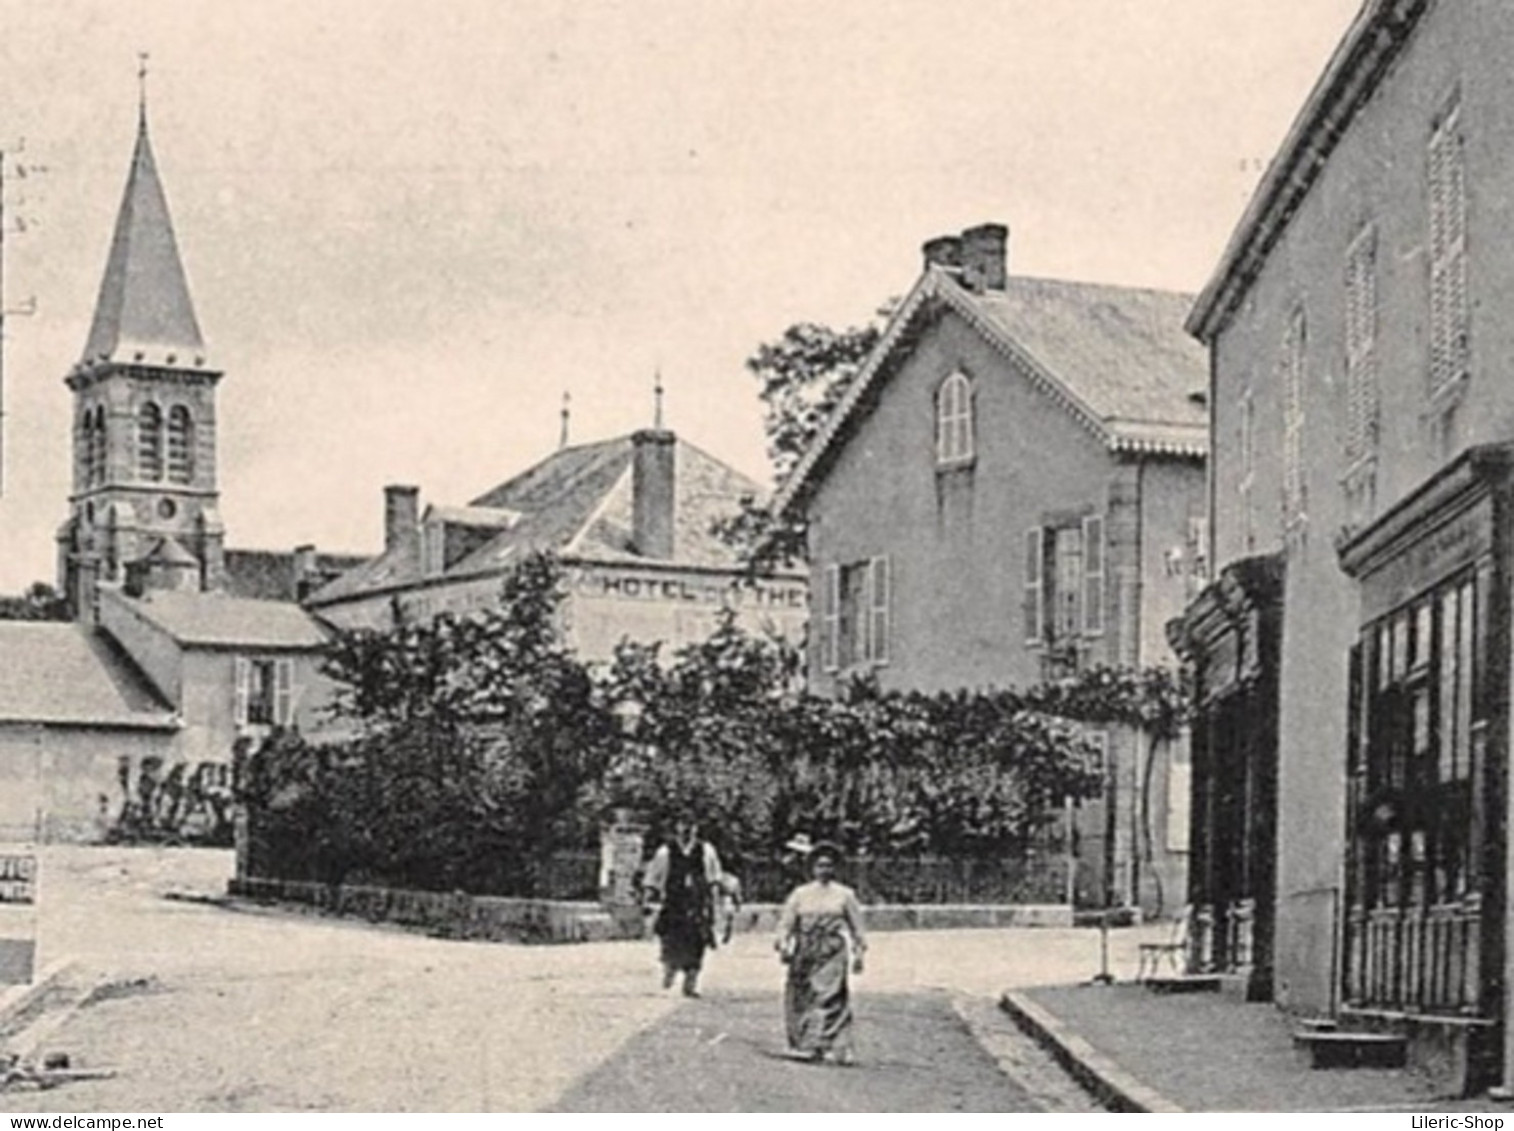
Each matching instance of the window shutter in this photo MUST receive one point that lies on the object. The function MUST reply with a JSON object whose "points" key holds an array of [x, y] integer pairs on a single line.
{"points": [[1361, 347], [1034, 601], [830, 635], [882, 584], [1093, 574], [1448, 268], [241, 676], [283, 691]]}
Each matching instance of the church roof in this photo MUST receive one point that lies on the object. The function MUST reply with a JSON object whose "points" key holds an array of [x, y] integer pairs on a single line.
{"points": [[577, 502], [65, 674], [168, 550], [274, 575], [1116, 358], [144, 313], [214, 620]]}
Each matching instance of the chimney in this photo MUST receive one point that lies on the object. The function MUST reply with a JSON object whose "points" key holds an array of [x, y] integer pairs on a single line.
{"points": [[305, 579], [984, 257], [653, 492], [402, 514], [943, 251]]}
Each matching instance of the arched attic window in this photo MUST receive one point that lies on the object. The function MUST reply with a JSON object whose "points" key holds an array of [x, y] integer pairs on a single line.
{"points": [[180, 445], [150, 442], [954, 420]]}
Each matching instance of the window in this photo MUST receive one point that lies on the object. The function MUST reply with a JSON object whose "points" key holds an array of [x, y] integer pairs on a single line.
{"points": [[855, 614], [150, 442], [264, 691], [92, 445], [1291, 378], [1064, 576], [830, 615], [1035, 599], [1093, 575], [1448, 253], [954, 420], [180, 445], [1067, 583], [1198, 554], [1415, 752], [1247, 426], [1361, 349]]}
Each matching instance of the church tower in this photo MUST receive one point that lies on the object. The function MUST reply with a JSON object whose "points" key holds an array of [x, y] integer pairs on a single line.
{"points": [[143, 509]]}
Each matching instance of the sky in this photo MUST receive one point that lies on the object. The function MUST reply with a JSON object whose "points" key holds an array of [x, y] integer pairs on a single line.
{"points": [[410, 229]]}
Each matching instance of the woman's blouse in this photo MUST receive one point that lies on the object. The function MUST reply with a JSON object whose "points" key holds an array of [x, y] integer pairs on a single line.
{"points": [[816, 899]]}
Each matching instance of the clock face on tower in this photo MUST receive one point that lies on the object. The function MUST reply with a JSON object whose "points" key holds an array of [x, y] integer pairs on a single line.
{"points": [[167, 508]]}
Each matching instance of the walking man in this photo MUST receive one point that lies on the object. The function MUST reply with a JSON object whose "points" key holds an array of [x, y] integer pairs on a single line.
{"points": [[682, 878]]}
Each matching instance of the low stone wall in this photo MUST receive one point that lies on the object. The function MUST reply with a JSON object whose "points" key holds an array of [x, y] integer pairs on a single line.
{"points": [[457, 915], [452, 914]]}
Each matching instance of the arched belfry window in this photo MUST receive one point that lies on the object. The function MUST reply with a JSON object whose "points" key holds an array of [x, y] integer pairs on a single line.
{"points": [[94, 445], [180, 445], [954, 420], [150, 442]]}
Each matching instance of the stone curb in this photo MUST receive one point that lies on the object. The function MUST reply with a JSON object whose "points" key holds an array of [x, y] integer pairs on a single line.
{"points": [[1117, 1089], [16, 999]]}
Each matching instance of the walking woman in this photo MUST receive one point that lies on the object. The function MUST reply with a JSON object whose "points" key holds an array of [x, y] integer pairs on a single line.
{"points": [[820, 939]]}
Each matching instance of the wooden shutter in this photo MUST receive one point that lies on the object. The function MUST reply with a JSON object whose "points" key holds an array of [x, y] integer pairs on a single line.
{"points": [[881, 584], [830, 632], [241, 680], [1093, 574], [1448, 265], [1034, 608], [1361, 346], [283, 691]]}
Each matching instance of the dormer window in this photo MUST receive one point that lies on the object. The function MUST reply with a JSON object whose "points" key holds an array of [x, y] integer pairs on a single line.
{"points": [[954, 421]]}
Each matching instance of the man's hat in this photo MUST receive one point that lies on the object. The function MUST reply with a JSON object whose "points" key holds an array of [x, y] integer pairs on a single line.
{"points": [[799, 842], [828, 848]]}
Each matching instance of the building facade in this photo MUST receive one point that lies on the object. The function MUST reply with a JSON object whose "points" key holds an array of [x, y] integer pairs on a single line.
{"points": [[1013, 487], [1359, 422], [130, 714], [631, 521]]}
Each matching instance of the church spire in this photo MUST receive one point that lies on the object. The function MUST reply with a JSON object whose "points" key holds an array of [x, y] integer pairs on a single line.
{"points": [[144, 314]]}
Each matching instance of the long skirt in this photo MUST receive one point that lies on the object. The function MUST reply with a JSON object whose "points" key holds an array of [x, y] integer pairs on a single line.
{"points": [[816, 999]]}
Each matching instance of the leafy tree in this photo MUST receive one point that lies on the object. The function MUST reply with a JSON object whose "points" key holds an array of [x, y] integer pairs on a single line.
{"points": [[803, 376], [40, 602]]}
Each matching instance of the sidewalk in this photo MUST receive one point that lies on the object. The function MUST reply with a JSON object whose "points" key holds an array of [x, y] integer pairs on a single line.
{"points": [[1141, 1051]]}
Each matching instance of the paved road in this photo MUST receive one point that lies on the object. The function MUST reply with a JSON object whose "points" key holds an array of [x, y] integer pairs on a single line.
{"points": [[215, 1010], [724, 1054]]}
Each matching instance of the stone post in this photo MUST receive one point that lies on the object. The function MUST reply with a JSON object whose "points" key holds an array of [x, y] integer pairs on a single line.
{"points": [[622, 840]]}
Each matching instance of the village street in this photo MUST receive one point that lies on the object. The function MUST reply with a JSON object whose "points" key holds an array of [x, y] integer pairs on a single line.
{"points": [[208, 1008]]}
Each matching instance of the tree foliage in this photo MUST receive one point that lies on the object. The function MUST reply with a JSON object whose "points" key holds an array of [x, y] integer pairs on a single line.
{"points": [[803, 376], [40, 602], [484, 746]]}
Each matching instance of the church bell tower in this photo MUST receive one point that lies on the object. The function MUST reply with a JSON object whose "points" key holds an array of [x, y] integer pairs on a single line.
{"points": [[144, 503]]}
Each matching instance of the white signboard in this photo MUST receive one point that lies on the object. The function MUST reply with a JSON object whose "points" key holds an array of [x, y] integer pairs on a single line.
{"points": [[18, 915]]}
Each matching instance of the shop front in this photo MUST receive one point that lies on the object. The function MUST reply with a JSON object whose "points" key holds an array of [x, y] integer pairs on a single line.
{"points": [[1229, 638], [1423, 936]]}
